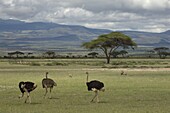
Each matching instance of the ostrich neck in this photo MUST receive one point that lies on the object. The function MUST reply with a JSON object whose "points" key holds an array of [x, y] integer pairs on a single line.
{"points": [[87, 78]]}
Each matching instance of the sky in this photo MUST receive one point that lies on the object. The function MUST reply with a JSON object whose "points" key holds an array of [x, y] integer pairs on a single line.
{"points": [[138, 15]]}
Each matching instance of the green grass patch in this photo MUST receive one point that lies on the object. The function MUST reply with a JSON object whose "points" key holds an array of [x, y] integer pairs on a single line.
{"points": [[141, 91]]}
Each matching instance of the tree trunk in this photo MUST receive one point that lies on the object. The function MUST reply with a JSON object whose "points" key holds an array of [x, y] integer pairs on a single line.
{"points": [[107, 55], [108, 60]]}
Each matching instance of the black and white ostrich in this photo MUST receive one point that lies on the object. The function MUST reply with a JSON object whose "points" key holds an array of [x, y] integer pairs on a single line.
{"points": [[26, 87], [48, 83], [95, 86]]}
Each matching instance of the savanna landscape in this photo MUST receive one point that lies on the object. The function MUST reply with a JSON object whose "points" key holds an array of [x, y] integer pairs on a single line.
{"points": [[84, 56], [145, 87]]}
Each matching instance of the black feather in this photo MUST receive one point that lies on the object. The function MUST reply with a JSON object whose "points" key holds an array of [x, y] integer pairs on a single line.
{"points": [[29, 86], [94, 84]]}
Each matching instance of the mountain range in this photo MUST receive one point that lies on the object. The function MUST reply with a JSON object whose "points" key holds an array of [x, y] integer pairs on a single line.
{"points": [[41, 36]]}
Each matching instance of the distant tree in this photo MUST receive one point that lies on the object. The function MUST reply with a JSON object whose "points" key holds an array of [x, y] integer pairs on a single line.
{"points": [[115, 54], [28, 54], [11, 54], [93, 54], [50, 54], [17, 53], [109, 43], [162, 51]]}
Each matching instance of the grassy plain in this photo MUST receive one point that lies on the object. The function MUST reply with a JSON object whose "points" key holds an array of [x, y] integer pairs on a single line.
{"points": [[146, 88]]}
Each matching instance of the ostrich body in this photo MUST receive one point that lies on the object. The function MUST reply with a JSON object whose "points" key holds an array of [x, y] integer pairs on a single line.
{"points": [[26, 87], [95, 86], [48, 83], [123, 73]]}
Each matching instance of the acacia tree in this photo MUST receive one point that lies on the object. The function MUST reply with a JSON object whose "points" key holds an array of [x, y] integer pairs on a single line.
{"points": [[17, 53], [162, 51], [109, 43], [28, 54]]}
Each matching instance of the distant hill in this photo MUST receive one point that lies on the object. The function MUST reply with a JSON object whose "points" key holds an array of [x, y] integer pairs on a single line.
{"points": [[40, 36], [150, 39]]}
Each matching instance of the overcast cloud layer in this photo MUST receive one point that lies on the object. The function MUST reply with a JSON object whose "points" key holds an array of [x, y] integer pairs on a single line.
{"points": [[139, 15]]}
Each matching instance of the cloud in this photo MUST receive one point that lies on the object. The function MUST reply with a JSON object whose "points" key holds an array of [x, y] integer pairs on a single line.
{"points": [[147, 15], [73, 13]]}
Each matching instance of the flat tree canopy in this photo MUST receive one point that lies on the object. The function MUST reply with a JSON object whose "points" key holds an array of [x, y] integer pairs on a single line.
{"points": [[109, 43]]}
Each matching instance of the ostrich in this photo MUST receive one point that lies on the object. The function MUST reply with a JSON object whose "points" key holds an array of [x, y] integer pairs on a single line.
{"points": [[48, 83], [95, 86], [26, 87], [123, 73]]}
